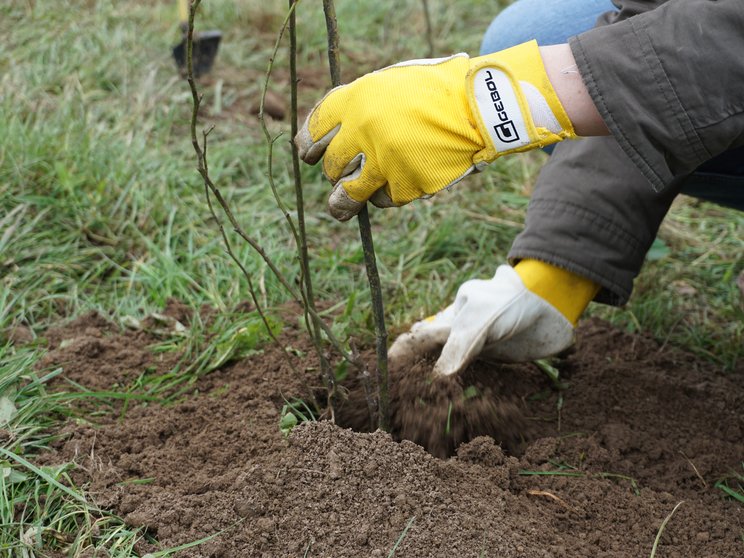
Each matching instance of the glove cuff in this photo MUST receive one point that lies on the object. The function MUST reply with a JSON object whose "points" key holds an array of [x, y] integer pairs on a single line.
{"points": [[514, 103], [567, 292]]}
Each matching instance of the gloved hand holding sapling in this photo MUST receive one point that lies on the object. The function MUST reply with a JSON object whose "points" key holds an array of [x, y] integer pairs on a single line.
{"points": [[412, 129]]}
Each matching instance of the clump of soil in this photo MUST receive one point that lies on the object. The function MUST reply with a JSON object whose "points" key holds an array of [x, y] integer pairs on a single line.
{"points": [[641, 428], [440, 413], [443, 412]]}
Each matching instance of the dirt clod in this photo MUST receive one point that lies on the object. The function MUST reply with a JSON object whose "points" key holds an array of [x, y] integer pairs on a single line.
{"points": [[18, 335], [274, 105], [443, 412]]}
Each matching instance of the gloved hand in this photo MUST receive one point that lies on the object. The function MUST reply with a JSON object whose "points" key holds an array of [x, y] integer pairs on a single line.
{"points": [[414, 128], [500, 318]]}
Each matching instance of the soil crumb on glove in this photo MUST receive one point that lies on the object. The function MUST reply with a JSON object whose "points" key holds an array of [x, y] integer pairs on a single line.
{"points": [[440, 413]]}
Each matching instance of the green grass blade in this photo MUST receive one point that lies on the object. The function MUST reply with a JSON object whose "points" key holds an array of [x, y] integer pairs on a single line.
{"points": [[170, 551], [525, 473], [402, 536], [662, 527], [46, 476], [730, 491]]}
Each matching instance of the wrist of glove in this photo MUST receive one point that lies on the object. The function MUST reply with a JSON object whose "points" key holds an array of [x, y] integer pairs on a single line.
{"points": [[497, 318], [411, 129]]}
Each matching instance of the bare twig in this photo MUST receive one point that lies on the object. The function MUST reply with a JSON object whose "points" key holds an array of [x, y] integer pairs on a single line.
{"points": [[378, 310], [553, 497], [705, 484], [212, 190], [262, 119], [298, 231], [365, 232], [429, 30], [203, 168], [334, 63], [306, 279]]}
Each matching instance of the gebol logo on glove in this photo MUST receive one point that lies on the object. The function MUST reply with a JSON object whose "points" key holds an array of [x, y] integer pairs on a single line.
{"points": [[500, 109]]}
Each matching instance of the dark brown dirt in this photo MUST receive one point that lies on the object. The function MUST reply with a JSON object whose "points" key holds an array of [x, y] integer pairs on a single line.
{"points": [[441, 413], [117, 359], [641, 428]]}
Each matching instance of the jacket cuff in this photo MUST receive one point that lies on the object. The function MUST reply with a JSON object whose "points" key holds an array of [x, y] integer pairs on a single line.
{"points": [[637, 99]]}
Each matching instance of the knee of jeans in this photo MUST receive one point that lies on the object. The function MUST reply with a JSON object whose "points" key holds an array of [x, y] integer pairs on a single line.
{"points": [[549, 22]]}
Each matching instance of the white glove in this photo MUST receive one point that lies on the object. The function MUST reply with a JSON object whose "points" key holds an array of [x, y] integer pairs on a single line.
{"points": [[497, 318]]}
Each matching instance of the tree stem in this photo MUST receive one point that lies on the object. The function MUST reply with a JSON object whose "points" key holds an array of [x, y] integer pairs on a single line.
{"points": [[313, 325], [365, 233]]}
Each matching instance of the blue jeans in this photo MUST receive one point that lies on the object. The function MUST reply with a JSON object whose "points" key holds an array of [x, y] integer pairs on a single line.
{"points": [[551, 22]]}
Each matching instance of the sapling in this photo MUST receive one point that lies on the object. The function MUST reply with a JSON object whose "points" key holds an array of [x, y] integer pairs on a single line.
{"points": [[303, 295], [365, 233], [301, 239], [211, 191]]}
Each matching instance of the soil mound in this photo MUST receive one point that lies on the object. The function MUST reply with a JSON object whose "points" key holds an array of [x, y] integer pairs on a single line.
{"points": [[640, 428], [440, 413]]}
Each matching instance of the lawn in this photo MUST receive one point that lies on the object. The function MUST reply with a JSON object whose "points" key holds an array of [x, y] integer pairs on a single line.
{"points": [[101, 209]]}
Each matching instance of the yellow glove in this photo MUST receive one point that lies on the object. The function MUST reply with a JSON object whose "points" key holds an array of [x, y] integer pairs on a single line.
{"points": [[411, 129], [567, 292]]}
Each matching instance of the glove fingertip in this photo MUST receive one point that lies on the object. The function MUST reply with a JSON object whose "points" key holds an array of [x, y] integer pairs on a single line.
{"points": [[410, 347], [382, 199], [304, 141], [342, 206], [326, 113], [461, 348], [446, 367], [310, 150]]}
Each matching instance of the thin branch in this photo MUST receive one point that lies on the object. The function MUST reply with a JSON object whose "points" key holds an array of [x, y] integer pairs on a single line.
{"points": [[307, 299], [210, 187], [304, 256], [378, 310], [365, 233], [262, 119], [334, 63], [203, 168], [429, 29]]}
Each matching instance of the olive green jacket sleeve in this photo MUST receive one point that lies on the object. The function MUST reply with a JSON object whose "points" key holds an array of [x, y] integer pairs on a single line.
{"points": [[668, 80]]}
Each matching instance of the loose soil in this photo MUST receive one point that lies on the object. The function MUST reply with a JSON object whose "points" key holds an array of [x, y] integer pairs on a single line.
{"points": [[641, 428]]}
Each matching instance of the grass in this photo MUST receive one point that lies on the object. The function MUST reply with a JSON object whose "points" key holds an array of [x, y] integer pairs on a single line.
{"points": [[294, 412], [689, 296], [100, 194], [661, 529], [402, 536], [733, 485], [38, 506], [565, 470], [101, 209]]}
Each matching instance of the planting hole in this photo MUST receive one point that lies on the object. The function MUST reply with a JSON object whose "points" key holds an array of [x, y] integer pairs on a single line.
{"points": [[441, 413]]}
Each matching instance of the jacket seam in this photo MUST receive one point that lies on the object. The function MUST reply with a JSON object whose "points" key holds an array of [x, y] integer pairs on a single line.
{"points": [[619, 133], [736, 111], [645, 43], [682, 117]]}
